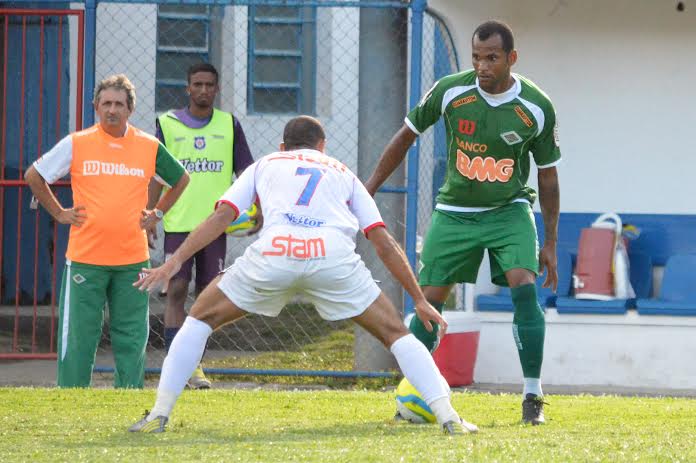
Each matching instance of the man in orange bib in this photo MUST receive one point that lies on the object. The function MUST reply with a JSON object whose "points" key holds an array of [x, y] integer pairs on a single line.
{"points": [[110, 165]]}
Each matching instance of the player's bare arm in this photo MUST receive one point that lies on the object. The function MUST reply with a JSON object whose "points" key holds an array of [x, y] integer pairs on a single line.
{"points": [[149, 219], [154, 192], [204, 234], [42, 192], [549, 200], [395, 260], [393, 155]]}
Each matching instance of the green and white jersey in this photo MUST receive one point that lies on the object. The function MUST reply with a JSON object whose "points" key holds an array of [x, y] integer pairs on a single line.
{"points": [[489, 138]]}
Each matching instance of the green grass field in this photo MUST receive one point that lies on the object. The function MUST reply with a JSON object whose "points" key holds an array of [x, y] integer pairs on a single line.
{"points": [[327, 426]]}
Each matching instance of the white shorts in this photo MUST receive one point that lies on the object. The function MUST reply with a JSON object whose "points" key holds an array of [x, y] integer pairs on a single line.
{"points": [[320, 268]]}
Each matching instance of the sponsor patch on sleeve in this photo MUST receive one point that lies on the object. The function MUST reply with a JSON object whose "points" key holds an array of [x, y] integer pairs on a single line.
{"points": [[511, 138]]}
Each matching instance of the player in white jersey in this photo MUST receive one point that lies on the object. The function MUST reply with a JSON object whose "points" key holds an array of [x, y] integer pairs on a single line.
{"points": [[313, 207]]}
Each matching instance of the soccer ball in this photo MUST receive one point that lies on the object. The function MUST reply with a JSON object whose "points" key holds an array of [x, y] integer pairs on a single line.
{"points": [[411, 405], [245, 221]]}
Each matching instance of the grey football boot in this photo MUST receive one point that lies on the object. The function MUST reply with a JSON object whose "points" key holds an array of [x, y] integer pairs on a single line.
{"points": [[454, 428], [155, 425]]}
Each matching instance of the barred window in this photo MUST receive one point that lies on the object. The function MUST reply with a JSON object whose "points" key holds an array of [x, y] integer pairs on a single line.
{"points": [[282, 60], [183, 39]]}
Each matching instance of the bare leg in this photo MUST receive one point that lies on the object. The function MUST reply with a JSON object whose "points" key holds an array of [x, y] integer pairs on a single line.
{"points": [[174, 312], [436, 294], [382, 321], [520, 276]]}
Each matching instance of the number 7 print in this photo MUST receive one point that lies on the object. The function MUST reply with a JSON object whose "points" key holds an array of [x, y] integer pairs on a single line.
{"points": [[315, 175]]}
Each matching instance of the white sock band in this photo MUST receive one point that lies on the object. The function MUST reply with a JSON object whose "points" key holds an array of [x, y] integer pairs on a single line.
{"points": [[443, 410], [532, 386]]}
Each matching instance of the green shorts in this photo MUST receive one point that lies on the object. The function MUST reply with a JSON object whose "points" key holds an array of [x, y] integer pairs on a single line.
{"points": [[453, 248]]}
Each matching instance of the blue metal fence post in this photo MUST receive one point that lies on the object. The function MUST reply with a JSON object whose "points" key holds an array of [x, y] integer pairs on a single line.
{"points": [[417, 10], [89, 65]]}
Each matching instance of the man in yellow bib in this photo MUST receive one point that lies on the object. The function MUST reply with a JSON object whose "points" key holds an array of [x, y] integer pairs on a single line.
{"points": [[110, 165], [212, 147]]}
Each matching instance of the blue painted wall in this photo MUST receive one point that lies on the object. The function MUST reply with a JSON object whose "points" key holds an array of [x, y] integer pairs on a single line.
{"points": [[54, 125]]}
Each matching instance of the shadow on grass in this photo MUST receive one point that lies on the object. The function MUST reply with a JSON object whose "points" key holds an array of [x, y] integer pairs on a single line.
{"points": [[184, 434]]}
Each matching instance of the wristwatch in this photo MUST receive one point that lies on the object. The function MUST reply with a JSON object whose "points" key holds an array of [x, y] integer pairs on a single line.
{"points": [[159, 214]]}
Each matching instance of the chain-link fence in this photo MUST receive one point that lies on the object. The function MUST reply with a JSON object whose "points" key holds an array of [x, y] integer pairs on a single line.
{"points": [[347, 63], [439, 59]]}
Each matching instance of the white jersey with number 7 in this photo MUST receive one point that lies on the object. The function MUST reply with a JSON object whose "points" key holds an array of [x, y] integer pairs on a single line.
{"points": [[306, 189]]}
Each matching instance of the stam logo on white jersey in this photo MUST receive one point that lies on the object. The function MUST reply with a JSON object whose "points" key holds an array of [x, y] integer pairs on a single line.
{"points": [[110, 168]]}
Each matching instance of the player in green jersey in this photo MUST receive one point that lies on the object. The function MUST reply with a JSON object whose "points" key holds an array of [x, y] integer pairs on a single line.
{"points": [[493, 120]]}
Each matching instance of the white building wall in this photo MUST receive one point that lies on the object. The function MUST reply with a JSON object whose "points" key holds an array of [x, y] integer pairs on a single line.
{"points": [[654, 353], [620, 74], [126, 43]]}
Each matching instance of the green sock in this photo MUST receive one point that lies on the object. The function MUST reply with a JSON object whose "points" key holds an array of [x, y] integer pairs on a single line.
{"points": [[528, 329], [429, 340]]}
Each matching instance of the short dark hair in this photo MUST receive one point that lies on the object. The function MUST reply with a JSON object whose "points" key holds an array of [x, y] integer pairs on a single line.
{"points": [[201, 67], [303, 132], [490, 28]]}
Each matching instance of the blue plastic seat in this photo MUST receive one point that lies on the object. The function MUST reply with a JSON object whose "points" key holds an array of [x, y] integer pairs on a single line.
{"points": [[678, 292], [641, 279], [502, 300]]}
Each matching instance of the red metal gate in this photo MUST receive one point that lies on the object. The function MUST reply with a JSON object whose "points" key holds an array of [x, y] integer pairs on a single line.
{"points": [[42, 75]]}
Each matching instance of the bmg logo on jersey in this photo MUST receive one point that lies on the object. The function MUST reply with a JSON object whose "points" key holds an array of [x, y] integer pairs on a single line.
{"points": [[485, 169], [297, 248], [90, 168], [303, 220]]}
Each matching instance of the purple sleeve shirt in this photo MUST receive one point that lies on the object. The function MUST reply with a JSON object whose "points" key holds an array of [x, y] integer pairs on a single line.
{"points": [[241, 155]]}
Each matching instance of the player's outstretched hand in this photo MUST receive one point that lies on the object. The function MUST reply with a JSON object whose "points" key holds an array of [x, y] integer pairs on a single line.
{"points": [[152, 279], [427, 314], [548, 262], [73, 216]]}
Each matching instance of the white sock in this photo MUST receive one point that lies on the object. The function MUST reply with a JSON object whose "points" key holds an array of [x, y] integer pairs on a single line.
{"points": [[419, 368], [443, 410], [184, 356], [532, 386]]}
